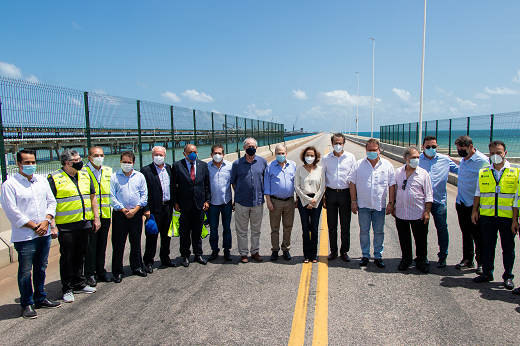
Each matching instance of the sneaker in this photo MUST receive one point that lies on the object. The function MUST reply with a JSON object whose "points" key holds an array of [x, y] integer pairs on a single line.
{"points": [[87, 289], [68, 297]]}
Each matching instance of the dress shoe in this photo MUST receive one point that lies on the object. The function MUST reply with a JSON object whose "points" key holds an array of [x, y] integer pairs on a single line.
{"points": [[516, 291], [118, 278], [213, 256], [29, 312], [422, 267], [344, 257], [379, 262], [256, 256], [483, 278], [104, 278], [427, 262], [243, 259], [200, 260], [91, 282], [464, 264], [186, 261], [140, 272], [148, 268], [274, 256], [227, 255], [403, 265], [479, 270], [286, 256], [332, 256], [168, 263], [47, 304], [363, 262], [441, 263], [508, 284]]}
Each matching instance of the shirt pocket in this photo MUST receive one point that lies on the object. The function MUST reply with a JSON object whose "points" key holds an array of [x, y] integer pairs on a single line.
{"points": [[382, 179]]}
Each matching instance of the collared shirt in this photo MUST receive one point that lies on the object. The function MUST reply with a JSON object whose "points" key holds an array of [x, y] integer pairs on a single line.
{"points": [[220, 182], [338, 169], [165, 182], [372, 182], [128, 192], [249, 180], [97, 173], [468, 174], [410, 202], [438, 167], [306, 183], [279, 182], [189, 164], [24, 201]]}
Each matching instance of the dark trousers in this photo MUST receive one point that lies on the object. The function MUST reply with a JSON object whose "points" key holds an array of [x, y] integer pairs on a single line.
{"points": [[96, 251], [121, 228], [471, 234], [73, 247], [310, 226], [163, 220], [338, 201], [420, 234], [214, 212], [490, 227], [190, 228]]}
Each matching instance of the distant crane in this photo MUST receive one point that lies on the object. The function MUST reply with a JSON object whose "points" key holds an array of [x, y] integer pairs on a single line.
{"points": [[294, 125]]}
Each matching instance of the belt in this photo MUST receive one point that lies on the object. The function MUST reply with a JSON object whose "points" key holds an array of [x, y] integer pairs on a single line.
{"points": [[165, 202], [337, 190], [282, 199]]}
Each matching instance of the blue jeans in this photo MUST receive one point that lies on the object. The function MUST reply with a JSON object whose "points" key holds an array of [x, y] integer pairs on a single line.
{"points": [[440, 215], [366, 217], [214, 211], [32, 254]]}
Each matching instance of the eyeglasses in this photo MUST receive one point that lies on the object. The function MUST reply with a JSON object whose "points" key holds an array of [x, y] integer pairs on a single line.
{"points": [[404, 184], [431, 147]]}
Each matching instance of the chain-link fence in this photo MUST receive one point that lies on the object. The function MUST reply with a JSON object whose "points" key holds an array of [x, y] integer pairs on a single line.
{"points": [[49, 119], [482, 129]]}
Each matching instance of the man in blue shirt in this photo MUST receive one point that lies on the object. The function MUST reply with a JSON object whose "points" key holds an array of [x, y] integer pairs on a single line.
{"points": [[279, 196], [221, 201], [438, 167], [247, 179], [471, 163]]}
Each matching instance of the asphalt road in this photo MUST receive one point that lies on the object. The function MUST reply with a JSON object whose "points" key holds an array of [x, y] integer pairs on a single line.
{"points": [[253, 304]]}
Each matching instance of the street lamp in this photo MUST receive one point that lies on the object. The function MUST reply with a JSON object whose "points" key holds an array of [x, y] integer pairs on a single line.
{"points": [[349, 108], [422, 76], [357, 104], [373, 56]]}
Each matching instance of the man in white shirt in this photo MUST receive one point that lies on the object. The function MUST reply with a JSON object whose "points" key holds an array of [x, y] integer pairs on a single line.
{"points": [[338, 165], [29, 205], [371, 179]]}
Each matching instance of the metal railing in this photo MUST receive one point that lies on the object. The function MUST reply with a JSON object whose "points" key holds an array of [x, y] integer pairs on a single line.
{"points": [[482, 129], [49, 119]]}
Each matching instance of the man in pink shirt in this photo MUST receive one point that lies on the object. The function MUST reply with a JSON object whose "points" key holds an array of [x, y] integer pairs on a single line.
{"points": [[414, 197]]}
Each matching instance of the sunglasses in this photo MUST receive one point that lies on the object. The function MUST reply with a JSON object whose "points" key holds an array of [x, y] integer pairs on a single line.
{"points": [[404, 184], [431, 147]]}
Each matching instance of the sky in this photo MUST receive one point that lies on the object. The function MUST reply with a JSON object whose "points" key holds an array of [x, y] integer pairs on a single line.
{"points": [[292, 62]]}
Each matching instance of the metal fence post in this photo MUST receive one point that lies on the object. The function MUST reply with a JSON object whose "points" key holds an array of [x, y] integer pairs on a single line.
{"points": [[236, 135], [409, 134], [87, 119], [258, 128], [490, 129], [212, 129], [449, 140], [194, 128], [263, 131], [245, 128], [173, 134], [139, 134], [425, 128], [467, 131], [225, 132], [2, 147], [437, 129], [417, 134], [268, 134]]}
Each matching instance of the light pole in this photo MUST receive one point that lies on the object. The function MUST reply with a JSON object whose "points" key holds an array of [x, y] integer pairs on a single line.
{"points": [[422, 76], [357, 104], [349, 108], [372, 122]]}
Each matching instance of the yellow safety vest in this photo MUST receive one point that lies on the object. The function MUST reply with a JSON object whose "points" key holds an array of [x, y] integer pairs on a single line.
{"points": [[497, 200], [73, 201], [102, 190]]}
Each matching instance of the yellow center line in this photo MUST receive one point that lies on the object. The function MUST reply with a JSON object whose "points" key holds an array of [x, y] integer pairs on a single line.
{"points": [[300, 311]]}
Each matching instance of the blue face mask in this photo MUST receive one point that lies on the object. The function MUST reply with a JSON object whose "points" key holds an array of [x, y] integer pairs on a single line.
{"points": [[430, 152], [29, 169], [192, 157], [280, 158], [372, 155], [251, 151]]}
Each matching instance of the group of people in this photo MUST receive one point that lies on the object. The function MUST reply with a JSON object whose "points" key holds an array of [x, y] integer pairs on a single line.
{"points": [[77, 204]]}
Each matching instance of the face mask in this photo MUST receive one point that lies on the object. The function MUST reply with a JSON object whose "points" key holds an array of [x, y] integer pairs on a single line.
{"points": [[430, 152], [338, 148], [127, 167], [372, 155], [217, 157], [158, 160], [496, 159], [462, 153], [251, 151], [77, 165], [414, 163], [192, 157], [280, 158], [28, 169], [98, 161], [309, 159]]}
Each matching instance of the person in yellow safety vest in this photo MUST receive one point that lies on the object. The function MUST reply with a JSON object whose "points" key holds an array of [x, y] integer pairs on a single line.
{"points": [[76, 214], [495, 204], [97, 244]]}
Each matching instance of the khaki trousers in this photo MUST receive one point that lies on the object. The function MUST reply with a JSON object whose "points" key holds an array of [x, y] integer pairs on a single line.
{"points": [[243, 217], [283, 210]]}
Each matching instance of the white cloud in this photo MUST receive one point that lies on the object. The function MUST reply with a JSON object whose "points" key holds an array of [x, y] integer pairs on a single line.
{"points": [[75, 101], [465, 104], [342, 97], [299, 95], [517, 77], [482, 96], [172, 96], [144, 85], [32, 79], [100, 91], [442, 91], [402, 94], [253, 111], [315, 113], [194, 95], [501, 91], [76, 26], [10, 70]]}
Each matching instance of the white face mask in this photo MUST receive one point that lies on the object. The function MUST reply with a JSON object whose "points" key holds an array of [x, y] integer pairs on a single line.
{"points": [[217, 157], [338, 148], [127, 167], [98, 161], [309, 159], [158, 160], [496, 159], [414, 163]]}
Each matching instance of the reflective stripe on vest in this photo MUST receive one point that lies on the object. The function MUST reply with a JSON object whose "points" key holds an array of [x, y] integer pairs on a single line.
{"points": [[102, 190], [71, 205], [498, 201]]}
